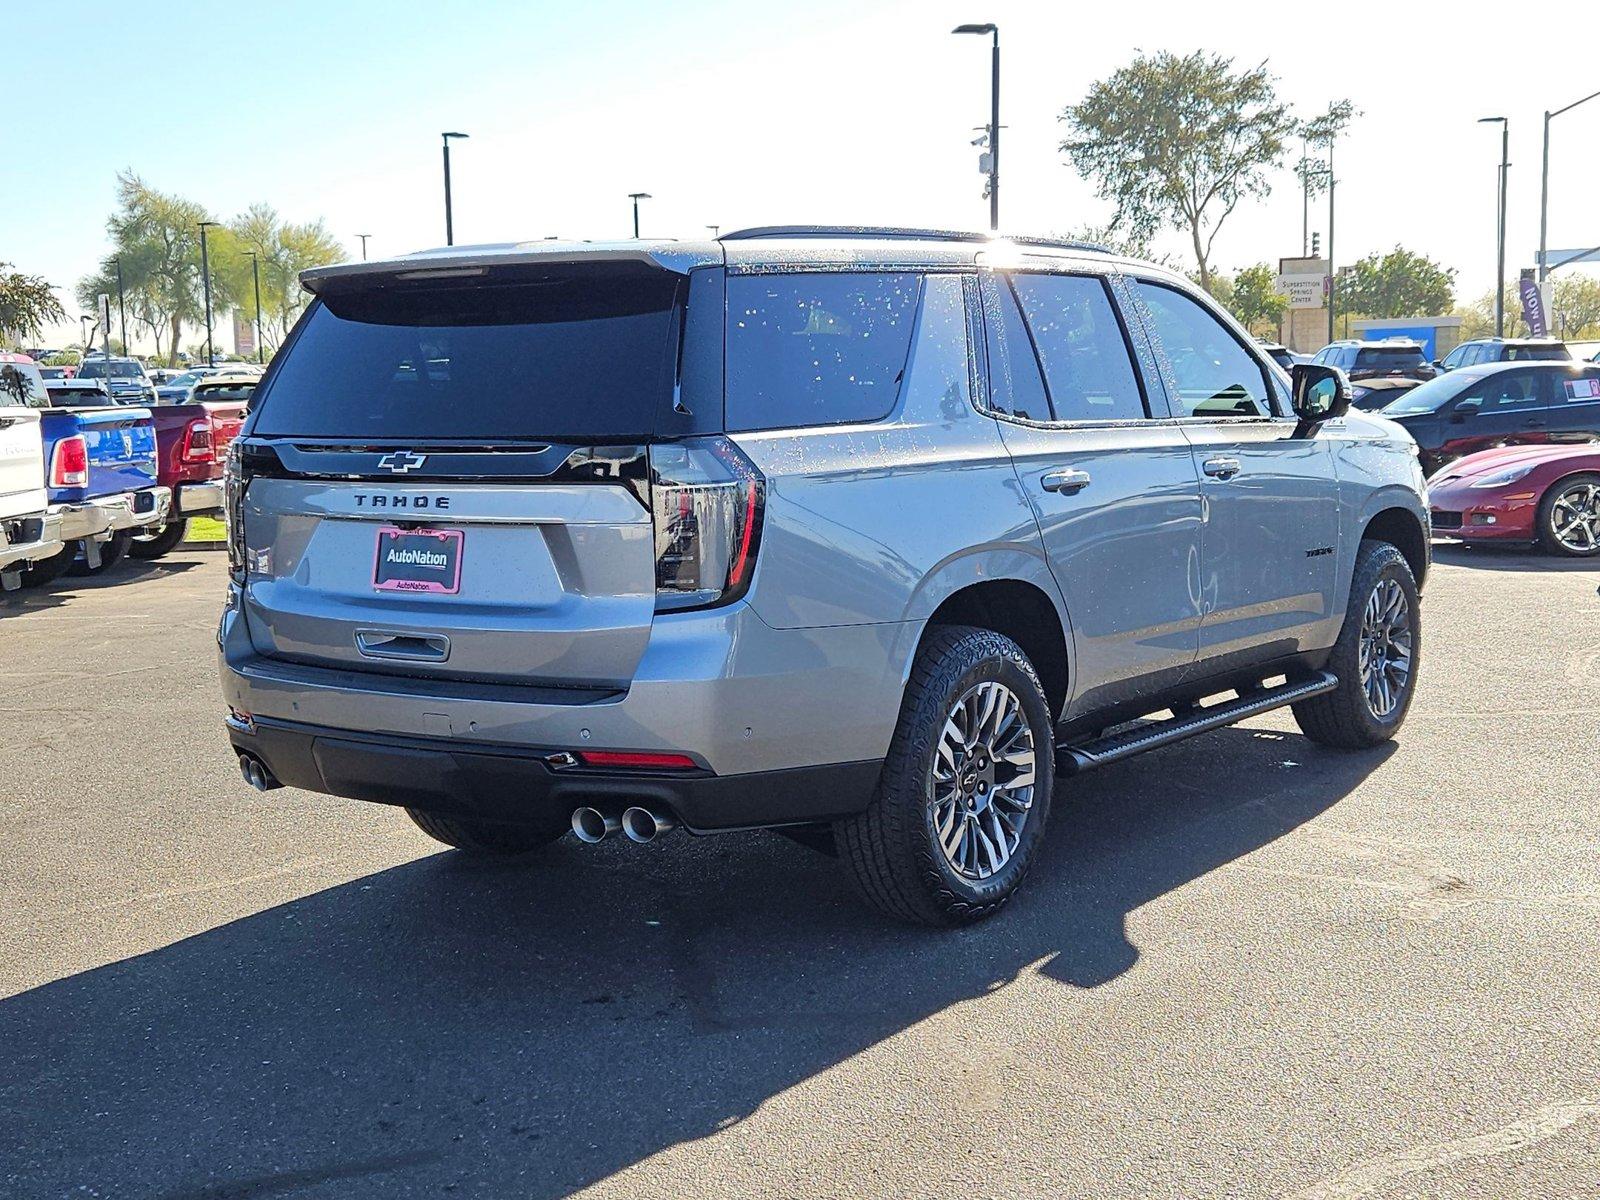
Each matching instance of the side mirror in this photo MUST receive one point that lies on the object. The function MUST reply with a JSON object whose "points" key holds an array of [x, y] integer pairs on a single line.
{"points": [[1320, 394]]}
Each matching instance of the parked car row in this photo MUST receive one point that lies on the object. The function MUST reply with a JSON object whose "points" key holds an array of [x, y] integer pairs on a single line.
{"points": [[1508, 430], [87, 476]]}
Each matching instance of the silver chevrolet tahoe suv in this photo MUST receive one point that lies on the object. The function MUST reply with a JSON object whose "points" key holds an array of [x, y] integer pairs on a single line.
{"points": [[866, 535]]}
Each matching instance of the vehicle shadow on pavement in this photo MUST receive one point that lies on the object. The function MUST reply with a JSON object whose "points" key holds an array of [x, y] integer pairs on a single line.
{"points": [[528, 1029], [1509, 558], [68, 587]]}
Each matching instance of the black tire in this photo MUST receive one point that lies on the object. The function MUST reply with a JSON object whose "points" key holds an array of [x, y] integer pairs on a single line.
{"points": [[1345, 718], [483, 837], [1547, 503], [893, 848], [159, 541], [110, 555], [48, 570]]}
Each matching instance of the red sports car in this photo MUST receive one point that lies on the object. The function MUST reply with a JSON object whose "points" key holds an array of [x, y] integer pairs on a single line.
{"points": [[1544, 494]]}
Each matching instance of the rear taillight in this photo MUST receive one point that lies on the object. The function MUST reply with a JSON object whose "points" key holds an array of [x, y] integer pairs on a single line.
{"points": [[69, 463], [197, 445], [707, 499], [233, 512]]}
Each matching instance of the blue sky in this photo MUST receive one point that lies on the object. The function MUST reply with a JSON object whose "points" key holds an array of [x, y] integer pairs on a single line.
{"points": [[744, 113]]}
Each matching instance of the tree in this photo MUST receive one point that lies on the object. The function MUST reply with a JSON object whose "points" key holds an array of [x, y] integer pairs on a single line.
{"points": [[27, 304], [1256, 300], [1575, 307], [1179, 142], [156, 237], [1401, 283], [284, 250], [1477, 318], [1318, 134]]}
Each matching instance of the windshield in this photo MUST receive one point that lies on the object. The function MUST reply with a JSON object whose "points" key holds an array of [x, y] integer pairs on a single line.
{"points": [[582, 353], [117, 368], [1429, 397]]}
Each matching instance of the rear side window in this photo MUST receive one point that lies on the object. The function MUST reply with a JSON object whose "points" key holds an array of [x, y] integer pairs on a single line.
{"points": [[574, 353], [21, 386], [1504, 391], [1214, 376], [823, 348], [1015, 386], [1538, 353], [1081, 347]]}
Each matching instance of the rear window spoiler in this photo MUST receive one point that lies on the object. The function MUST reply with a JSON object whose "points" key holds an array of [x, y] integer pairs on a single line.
{"points": [[678, 258]]}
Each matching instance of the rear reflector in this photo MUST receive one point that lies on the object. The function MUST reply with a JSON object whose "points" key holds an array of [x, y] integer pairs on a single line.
{"points": [[641, 759]]}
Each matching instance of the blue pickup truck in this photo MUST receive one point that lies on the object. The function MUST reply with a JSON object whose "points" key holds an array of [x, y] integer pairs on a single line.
{"points": [[100, 472]]}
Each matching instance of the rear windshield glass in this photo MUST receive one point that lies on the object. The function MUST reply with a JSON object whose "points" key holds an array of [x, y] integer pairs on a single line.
{"points": [[816, 349], [76, 397], [579, 354], [119, 369], [1389, 358]]}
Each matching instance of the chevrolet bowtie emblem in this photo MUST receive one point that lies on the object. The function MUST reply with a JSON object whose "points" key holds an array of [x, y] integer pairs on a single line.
{"points": [[402, 461]]}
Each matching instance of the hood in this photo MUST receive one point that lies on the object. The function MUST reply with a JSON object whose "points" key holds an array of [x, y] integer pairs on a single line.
{"points": [[1499, 459]]}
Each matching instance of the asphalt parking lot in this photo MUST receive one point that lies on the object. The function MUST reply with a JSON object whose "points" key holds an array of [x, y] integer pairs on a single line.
{"points": [[1244, 966]]}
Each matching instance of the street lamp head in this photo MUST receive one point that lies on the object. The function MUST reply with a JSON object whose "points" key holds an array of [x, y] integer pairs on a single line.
{"points": [[209, 224], [1492, 120], [448, 136], [640, 196], [976, 29]]}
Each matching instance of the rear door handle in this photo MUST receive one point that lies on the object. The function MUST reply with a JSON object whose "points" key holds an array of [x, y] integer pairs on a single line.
{"points": [[1067, 482], [1221, 468]]}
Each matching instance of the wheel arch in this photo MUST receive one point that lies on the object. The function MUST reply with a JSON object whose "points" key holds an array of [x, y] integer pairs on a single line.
{"points": [[1406, 531], [1022, 611]]}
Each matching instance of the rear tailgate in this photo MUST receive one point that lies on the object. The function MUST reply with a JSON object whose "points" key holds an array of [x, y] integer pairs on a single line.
{"points": [[447, 479], [121, 444]]}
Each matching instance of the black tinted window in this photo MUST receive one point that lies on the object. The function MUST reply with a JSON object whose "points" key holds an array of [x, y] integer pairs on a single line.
{"points": [[1214, 375], [118, 368], [1504, 390], [816, 349], [20, 384], [1538, 353], [1015, 385], [1081, 347], [578, 353], [1388, 358]]}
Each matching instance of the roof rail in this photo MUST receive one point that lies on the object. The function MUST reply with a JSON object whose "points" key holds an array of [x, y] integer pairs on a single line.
{"points": [[889, 232]]}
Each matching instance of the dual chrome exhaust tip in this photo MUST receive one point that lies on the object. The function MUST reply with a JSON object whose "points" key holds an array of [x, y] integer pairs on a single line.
{"points": [[638, 825], [257, 774]]}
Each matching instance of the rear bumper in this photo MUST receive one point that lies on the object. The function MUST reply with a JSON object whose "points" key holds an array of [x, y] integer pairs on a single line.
{"points": [[110, 514], [195, 499], [495, 783], [29, 539]]}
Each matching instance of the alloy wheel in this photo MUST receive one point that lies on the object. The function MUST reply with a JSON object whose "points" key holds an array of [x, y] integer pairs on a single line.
{"points": [[1385, 650], [1575, 518], [983, 780]]}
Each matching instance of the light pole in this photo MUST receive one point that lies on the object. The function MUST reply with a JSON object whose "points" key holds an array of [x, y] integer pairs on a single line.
{"points": [[83, 333], [449, 221], [122, 310], [994, 119], [636, 197], [205, 281], [1500, 238], [1544, 180], [255, 271], [363, 237]]}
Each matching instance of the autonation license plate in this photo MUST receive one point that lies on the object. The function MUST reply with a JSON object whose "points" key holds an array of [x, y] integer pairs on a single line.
{"points": [[418, 560]]}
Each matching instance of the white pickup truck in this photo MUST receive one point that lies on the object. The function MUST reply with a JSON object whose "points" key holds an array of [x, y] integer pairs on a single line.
{"points": [[28, 531]]}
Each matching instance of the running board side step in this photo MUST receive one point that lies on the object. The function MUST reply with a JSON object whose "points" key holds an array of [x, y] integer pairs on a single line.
{"points": [[1074, 759]]}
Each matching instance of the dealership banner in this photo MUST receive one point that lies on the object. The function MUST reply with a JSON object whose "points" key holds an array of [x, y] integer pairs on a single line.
{"points": [[1533, 306]]}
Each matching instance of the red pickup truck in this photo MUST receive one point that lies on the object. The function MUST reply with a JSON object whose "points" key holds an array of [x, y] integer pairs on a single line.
{"points": [[191, 446]]}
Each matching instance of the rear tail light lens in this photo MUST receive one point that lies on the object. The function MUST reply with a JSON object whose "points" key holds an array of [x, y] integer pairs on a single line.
{"points": [[233, 512], [69, 463], [197, 445], [707, 499]]}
